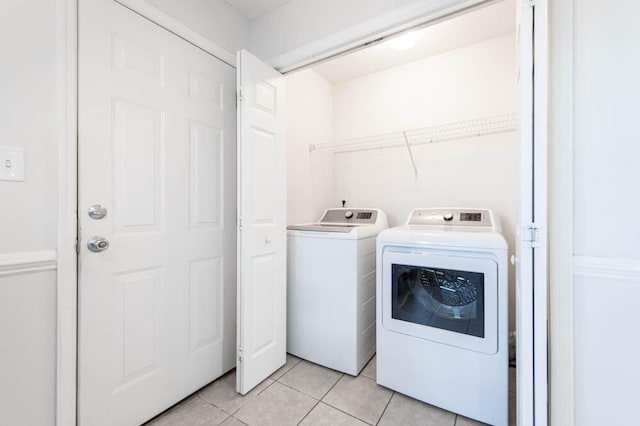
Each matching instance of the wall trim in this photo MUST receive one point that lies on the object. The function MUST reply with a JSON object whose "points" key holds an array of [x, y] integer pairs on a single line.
{"points": [[146, 10], [413, 15], [561, 297], [27, 262], [607, 267], [67, 131], [541, 210]]}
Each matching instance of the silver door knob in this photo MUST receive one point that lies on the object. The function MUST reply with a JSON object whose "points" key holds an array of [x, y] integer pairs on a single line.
{"points": [[98, 244], [97, 211]]}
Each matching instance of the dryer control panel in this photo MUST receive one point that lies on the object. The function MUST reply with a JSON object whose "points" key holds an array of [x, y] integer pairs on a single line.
{"points": [[452, 217], [350, 216]]}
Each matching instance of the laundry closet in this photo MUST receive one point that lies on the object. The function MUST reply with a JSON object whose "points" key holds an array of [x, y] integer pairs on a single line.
{"points": [[433, 125]]}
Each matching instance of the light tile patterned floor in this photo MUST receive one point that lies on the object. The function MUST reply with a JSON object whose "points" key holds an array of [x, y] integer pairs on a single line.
{"points": [[303, 393]]}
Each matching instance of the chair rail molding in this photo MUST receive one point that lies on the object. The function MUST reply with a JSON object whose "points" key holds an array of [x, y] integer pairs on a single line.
{"points": [[608, 267], [27, 262]]}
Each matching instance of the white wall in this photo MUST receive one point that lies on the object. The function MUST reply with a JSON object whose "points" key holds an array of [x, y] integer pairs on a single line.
{"points": [[606, 94], [214, 19], [27, 90], [310, 186], [27, 348], [28, 213], [467, 83]]}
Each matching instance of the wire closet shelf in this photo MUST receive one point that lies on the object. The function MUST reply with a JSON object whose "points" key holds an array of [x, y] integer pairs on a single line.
{"points": [[441, 133]]}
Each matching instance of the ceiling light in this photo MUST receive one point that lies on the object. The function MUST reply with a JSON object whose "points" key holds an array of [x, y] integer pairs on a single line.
{"points": [[404, 41]]}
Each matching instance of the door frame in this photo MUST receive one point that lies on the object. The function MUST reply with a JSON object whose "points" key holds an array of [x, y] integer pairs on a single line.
{"points": [[408, 18], [536, 47], [66, 82]]}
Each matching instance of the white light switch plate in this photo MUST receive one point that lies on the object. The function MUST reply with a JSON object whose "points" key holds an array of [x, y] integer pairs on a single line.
{"points": [[11, 163]]}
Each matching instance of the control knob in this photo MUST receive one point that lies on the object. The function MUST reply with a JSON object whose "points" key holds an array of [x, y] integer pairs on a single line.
{"points": [[348, 214], [448, 216]]}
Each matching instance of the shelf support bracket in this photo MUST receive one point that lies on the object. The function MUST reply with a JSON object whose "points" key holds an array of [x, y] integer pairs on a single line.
{"points": [[413, 162]]}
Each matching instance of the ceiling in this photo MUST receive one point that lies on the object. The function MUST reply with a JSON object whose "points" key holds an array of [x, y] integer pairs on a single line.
{"points": [[252, 9], [473, 27]]}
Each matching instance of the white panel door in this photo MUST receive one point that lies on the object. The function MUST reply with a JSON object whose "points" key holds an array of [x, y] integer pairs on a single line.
{"points": [[262, 280], [157, 150]]}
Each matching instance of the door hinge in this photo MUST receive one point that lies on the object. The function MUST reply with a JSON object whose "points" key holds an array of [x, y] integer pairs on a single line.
{"points": [[532, 235], [240, 222], [238, 97], [77, 247], [528, 3], [240, 354]]}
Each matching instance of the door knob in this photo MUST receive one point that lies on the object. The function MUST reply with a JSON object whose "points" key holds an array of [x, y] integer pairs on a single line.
{"points": [[97, 211], [98, 244]]}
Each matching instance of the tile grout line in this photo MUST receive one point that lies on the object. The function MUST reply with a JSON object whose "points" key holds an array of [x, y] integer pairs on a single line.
{"points": [[341, 410], [301, 391], [309, 412], [393, 393], [348, 414], [236, 419], [317, 401], [257, 395], [320, 400]]}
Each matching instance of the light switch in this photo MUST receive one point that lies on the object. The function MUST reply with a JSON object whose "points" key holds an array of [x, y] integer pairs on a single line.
{"points": [[11, 163]]}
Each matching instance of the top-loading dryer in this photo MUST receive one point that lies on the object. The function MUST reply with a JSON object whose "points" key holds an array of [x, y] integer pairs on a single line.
{"points": [[443, 311], [331, 291]]}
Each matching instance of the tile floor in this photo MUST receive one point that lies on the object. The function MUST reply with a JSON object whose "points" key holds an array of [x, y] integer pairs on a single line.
{"points": [[302, 393]]}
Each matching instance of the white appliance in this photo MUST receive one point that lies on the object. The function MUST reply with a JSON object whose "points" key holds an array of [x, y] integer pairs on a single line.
{"points": [[442, 312], [331, 288]]}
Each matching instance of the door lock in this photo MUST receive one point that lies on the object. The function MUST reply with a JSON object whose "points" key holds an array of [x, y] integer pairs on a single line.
{"points": [[97, 211], [98, 244]]}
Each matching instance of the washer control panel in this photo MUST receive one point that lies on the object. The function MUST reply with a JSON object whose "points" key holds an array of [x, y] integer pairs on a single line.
{"points": [[451, 217], [350, 216]]}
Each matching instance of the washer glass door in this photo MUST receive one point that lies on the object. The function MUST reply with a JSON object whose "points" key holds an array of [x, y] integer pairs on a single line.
{"points": [[447, 299]]}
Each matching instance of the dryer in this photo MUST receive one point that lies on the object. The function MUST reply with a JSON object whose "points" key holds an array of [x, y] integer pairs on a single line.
{"points": [[331, 288], [442, 311]]}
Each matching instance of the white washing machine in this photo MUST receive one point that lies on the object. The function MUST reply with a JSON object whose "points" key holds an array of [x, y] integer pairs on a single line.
{"points": [[442, 312], [331, 288]]}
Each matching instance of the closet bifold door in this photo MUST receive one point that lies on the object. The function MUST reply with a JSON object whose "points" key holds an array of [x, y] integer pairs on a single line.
{"points": [[531, 250], [262, 247]]}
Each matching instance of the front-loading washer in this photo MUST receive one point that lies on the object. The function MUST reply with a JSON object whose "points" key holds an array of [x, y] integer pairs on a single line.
{"points": [[331, 288], [442, 311]]}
